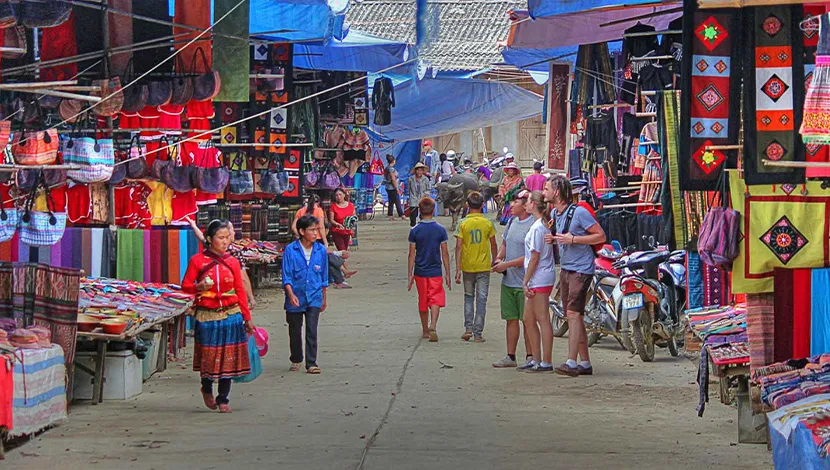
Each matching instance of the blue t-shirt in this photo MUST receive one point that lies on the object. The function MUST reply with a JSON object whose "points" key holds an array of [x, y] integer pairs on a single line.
{"points": [[576, 258], [428, 236]]}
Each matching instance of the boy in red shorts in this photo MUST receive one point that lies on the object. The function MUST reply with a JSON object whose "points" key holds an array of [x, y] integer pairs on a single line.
{"points": [[427, 252]]}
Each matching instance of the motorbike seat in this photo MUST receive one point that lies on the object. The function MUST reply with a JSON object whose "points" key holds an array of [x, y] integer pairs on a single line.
{"points": [[608, 279], [678, 256], [640, 260]]}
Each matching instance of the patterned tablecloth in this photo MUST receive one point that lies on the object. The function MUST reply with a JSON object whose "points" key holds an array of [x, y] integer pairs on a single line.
{"points": [[39, 390]]}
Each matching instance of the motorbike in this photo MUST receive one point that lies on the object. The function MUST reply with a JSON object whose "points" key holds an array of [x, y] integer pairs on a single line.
{"points": [[604, 299], [653, 295]]}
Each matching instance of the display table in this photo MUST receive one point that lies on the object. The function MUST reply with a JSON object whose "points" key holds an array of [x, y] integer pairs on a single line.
{"points": [[161, 306], [39, 396], [799, 434]]}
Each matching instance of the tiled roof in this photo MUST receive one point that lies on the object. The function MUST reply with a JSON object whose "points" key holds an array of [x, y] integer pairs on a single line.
{"points": [[469, 30]]}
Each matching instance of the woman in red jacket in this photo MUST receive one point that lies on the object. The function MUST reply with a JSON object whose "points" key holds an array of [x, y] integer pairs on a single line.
{"points": [[222, 316]]}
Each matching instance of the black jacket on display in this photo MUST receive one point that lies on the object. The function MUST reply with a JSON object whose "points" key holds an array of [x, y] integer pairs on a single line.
{"points": [[383, 100]]}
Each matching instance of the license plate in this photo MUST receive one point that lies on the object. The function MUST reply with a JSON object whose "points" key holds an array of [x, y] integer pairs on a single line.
{"points": [[632, 301]]}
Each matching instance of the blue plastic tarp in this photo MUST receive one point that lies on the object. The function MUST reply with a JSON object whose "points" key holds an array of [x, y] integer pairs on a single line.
{"points": [[540, 8], [357, 52], [440, 106], [539, 60], [293, 20]]}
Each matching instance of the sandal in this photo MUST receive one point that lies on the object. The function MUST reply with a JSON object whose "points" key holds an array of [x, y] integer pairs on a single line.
{"points": [[225, 408], [210, 402], [433, 336], [295, 366], [313, 370]]}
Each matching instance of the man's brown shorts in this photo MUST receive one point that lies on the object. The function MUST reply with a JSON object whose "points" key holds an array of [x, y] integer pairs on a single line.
{"points": [[573, 288]]}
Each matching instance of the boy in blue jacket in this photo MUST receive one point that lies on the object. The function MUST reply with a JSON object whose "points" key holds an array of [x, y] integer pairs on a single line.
{"points": [[305, 278]]}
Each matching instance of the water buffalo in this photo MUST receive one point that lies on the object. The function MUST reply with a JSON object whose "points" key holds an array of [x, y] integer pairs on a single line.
{"points": [[454, 193], [491, 190]]}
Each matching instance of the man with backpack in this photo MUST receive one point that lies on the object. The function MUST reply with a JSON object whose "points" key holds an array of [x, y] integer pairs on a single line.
{"points": [[574, 230]]}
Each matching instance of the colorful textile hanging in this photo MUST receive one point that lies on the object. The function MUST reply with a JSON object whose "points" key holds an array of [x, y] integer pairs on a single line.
{"points": [[760, 329], [813, 152], [774, 90], [39, 390], [670, 125], [819, 321], [786, 226], [232, 59], [710, 111], [89, 249], [159, 255], [792, 313], [694, 281], [196, 14], [715, 286], [557, 116]]}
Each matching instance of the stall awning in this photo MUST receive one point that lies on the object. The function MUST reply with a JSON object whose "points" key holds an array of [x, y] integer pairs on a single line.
{"points": [[293, 20], [541, 8], [749, 3], [440, 106], [537, 59], [585, 27], [357, 52]]}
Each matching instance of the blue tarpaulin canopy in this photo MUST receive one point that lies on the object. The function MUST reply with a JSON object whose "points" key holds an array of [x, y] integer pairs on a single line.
{"points": [[540, 8], [303, 19], [441, 106], [357, 52], [538, 60]]}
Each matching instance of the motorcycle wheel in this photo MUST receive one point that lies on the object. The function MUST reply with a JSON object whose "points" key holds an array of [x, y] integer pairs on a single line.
{"points": [[672, 343], [593, 338], [643, 339], [557, 319]]}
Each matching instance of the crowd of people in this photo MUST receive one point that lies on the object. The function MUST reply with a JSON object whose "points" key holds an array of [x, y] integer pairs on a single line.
{"points": [[545, 229]]}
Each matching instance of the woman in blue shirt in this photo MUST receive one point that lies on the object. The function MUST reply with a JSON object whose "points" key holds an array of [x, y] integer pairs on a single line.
{"points": [[305, 278]]}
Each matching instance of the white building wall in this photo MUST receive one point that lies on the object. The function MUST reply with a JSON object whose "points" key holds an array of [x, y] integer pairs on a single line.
{"points": [[505, 135]]}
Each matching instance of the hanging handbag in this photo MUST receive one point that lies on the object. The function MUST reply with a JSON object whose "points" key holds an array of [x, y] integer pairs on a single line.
{"points": [[160, 92], [119, 171], [176, 176], [273, 180], [95, 157], [27, 180], [717, 243], [182, 85], [313, 178], [35, 147], [210, 180], [136, 94], [206, 85], [70, 110], [41, 228], [41, 13], [8, 222], [159, 165], [137, 167], [112, 94], [331, 180], [240, 179]]}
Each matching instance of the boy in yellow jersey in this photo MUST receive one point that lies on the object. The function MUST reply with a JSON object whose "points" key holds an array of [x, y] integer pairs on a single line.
{"points": [[475, 250]]}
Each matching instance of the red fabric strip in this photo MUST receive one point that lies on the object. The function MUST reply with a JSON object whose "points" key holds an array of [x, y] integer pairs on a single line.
{"points": [[802, 311], [783, 316]]}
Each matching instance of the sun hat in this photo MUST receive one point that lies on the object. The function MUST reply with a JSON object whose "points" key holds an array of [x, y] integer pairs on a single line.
{"points": [[261, 338], [509, 155], [511, 166], [419, 165], [578, 185], [523, 194]]}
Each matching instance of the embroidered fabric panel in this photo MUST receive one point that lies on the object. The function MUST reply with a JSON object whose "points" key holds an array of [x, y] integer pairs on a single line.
{"points": [[813, 152], [782, 226], [709, 116], [774, 90]]}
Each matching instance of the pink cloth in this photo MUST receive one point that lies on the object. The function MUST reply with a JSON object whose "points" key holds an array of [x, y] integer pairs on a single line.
{"points": [[535, 182]]}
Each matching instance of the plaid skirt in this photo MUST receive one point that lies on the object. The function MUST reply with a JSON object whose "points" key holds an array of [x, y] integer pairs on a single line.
{"points": [[221, 348], [815, 127]]}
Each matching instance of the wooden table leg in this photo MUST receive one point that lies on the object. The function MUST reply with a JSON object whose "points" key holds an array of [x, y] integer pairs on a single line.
{"points": [[98, 384]]}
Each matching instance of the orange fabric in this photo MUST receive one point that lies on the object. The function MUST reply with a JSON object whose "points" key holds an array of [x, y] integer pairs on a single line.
{"points": [[196, 14], [173, 268], [321, 216], [228, 289]]}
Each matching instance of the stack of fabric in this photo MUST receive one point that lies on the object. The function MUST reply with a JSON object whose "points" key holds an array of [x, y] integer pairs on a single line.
{"points": [[719, 325], [150, 301], [790, 381], [256, 252], [24, 339]]}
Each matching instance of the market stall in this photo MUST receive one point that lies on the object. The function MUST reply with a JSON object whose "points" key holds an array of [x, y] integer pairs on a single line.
{"points": [[119, 311]]}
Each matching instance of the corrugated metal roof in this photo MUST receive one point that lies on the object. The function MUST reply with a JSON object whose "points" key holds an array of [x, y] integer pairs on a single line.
{"points": [[468, 30]]}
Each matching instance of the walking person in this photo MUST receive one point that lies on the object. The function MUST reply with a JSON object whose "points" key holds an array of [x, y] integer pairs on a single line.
{"points": [[475, 250], [428, 252], [222, 316], [419, 187], [510, 263], [540, 276], [392, 185], [305, 279], [313, 208], [576, 231], [536, 181]]}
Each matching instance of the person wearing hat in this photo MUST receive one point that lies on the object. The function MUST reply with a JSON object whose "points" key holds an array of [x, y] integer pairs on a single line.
{"points": [[510, 186], [430, 159], [419, 187], [447, 168]]}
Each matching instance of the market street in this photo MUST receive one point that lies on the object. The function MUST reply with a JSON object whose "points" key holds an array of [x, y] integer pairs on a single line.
{"points": [[388, 400]]}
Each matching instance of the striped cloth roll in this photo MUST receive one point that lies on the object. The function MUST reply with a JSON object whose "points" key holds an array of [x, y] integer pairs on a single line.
{"points": [[760, 328]]}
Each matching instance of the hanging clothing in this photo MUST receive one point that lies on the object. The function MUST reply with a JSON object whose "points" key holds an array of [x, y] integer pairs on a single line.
{"points": [[383, 100]]}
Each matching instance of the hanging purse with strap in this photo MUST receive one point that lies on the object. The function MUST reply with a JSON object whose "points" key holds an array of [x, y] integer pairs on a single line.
{"points": [[205, 85], [175, 175], [331, 180], [212, 180], [717, 243], [159, 165], [137, 167], [112, 94], [240, 179], [269, 178], [136, 94], [41, 228], [119, 171], [41, 13], [35, 147], [182, 85], [8, 222], [95, 157]]}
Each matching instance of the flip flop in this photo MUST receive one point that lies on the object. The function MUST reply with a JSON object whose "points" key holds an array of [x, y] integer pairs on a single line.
{"points": [[295, 366], [313, 370], [433, 336], [225, 408], [210, 401]]}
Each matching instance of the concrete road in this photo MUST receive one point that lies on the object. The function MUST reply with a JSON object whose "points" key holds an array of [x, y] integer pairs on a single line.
{"points": [[388, 400]]}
